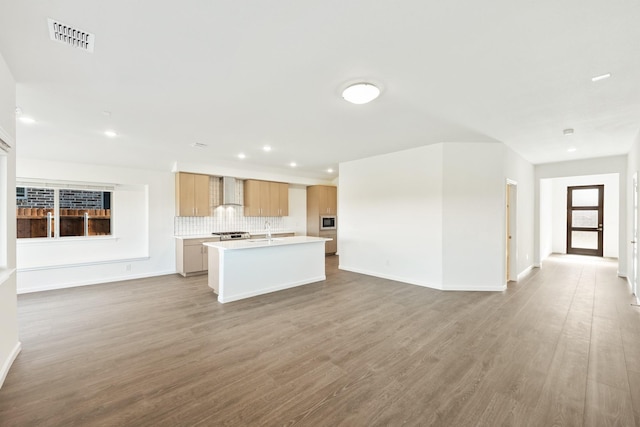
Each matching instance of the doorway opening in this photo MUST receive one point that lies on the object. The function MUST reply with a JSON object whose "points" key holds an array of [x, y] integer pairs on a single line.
{"points": [[585, 219]]}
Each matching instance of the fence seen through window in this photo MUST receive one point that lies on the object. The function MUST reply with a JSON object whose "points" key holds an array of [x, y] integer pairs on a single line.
{"points": [[53, 212]]}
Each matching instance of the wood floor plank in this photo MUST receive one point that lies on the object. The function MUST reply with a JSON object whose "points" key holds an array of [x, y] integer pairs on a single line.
{"points": [[607, 406], [634, 386], [558, 348]]}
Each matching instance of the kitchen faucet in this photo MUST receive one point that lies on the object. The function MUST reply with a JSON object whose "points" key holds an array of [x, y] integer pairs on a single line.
{"points": [[267, 227]]}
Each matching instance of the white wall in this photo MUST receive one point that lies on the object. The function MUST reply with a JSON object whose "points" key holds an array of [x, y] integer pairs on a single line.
{"points": [[633, 166], [558, 212], [298, 209], [522, 172], [390, 212], [597, 166], [546, 219], [143, 211], [434, 216], [215, 169], [9, 344], [474, 216]]}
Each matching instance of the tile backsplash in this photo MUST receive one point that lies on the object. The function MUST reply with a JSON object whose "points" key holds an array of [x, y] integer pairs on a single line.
{"points": [[227, 218]]}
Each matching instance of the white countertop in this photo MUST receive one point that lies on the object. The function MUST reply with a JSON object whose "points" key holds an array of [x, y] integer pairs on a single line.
{"points": [[261, 243], [197, 236], [211, 236]]}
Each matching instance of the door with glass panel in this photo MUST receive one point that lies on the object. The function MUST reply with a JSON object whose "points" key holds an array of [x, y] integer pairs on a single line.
{"points": [[585, 207]]}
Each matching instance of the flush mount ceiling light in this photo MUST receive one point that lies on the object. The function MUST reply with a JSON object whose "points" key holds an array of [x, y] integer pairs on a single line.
{"points": [[110, 133], [571, 149], [330, 170], [293, 164], [27, 120], [600, 77], [266, 148], [242, 156], [567, 132], [361, 93]]}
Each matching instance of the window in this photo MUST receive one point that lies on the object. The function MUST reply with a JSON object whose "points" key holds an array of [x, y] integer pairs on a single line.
{"points": [[62, 212], [21, 193]]}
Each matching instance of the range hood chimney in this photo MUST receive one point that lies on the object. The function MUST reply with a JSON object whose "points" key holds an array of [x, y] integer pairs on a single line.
{"points": [[229, 194]]}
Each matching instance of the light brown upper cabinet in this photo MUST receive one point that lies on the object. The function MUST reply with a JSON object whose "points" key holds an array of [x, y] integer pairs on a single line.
{"points": [[192, 194], [266, 198], [279, 198], [323, 199]]}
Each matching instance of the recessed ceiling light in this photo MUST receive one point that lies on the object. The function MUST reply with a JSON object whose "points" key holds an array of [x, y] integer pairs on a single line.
{"points": [[600, 77], [361, 93], [571, 149], [27, 120], [110, 133], [330, 170], [293, 164], [266, 148], [242, 156], [567, 132]]}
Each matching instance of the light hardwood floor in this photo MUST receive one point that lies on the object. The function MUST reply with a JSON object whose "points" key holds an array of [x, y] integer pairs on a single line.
{"points": [[561, 347]]}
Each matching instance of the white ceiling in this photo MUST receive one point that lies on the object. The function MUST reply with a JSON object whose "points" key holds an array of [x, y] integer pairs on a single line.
{"points": [[240, 74]]}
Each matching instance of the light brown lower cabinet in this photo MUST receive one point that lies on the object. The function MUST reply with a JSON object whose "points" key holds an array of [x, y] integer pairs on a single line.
{"points": [[331, 246], [192, 256]]}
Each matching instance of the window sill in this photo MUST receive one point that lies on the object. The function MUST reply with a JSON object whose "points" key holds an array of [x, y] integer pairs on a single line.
{"points": [[50, 241]]}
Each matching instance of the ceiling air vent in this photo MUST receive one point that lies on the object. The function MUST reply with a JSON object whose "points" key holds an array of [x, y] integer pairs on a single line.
{"points": [[198, 145], [71, 36]]}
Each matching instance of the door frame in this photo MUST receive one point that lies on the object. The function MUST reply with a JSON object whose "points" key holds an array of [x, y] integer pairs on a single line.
{"points": [[634, 237], [511, 238], [600, 229]]}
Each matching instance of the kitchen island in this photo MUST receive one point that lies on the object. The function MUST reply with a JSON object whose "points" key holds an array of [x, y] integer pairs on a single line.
{"points": [[245, 268]]}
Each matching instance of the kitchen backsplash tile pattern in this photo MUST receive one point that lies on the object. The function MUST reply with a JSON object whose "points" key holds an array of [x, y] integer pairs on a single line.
{"points": [[227, 218]]}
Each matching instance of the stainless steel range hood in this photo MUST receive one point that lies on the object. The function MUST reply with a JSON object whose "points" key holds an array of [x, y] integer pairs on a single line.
{"points": [[228, 192]]}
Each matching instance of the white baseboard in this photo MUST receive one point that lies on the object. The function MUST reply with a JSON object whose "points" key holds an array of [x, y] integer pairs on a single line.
{"points": [[525, 272], [389, 277], [4, 371], [91, 282], [439, 287], [483, 288]]}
